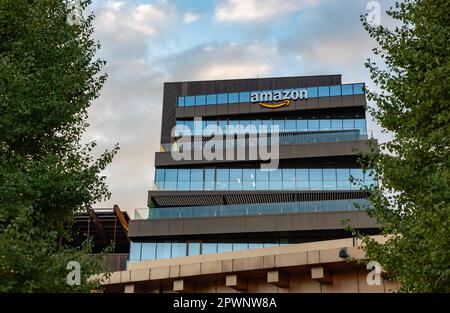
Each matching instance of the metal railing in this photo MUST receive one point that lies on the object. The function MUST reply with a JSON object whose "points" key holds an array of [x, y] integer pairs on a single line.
{"points": [[251, 209], [251, 140]]}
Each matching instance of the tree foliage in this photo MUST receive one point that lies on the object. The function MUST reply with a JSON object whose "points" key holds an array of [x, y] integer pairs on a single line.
{"points": [[412, 202], [49, 76]]}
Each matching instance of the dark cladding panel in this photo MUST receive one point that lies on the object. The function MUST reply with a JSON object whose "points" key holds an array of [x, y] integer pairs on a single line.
{"points": [[238, 85], [250, 224], [170, 96]]}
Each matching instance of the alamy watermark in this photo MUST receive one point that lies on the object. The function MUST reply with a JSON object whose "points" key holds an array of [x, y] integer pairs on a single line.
{"points": [[374, 276], [374, 15], [230, 142], [76, 12], [74, 276]]}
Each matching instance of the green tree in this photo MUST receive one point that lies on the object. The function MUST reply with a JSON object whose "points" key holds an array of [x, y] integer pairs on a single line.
{"points": [[412, 200], [49, 76]]}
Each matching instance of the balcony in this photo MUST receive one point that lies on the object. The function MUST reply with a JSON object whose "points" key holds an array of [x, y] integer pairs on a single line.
{"points": [[251, 140], [251, 209]]}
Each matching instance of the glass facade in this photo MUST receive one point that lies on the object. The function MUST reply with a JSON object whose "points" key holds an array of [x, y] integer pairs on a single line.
{"points": [[257, 179], [244, 97], [284, 125], [252, 209], [146, 251]]}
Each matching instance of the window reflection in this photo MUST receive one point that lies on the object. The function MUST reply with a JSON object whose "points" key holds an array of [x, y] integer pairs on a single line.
{"points": [[258, 179], [148, 251], [243, 97]]}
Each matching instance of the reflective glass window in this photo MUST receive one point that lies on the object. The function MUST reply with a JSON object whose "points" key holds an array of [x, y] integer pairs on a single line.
{"points": [[235, 179], [171, 174], [170, 185], [183, 185], [348, 124], [248, 185], [209, 185], [244, 123], [196, 174], [184, 174], [343, 185], [302, 185], [312, 92], [222, 98], [209, 247], [335, 90], [275, 174], [329, 174], [211, 99], [302, 125], [190, 125], [248, 174], [181, 101], [223, 126], [224, 247], [358, 89], [324, 91], [301, 174], [178, 249], [210, 174], [200, 100], [329, 185], [223, 174], [236, 175], [288, 184], [159, 185], [313, 125], [316, 185], [194, 248], [336, 124], [256, 123], [222, 184], [255, 245], [196, 185], [262, 185], [240, 246], [262, 175], [148, 251], [347, 90], [288, 174], [343, 174], [233, 98], [325, 124], [280, 124], [275, 185], [357, 173], [290, 125], [159, 174], [315, 174], [163, 250], [135, 251], [189, 101], [360, 124], [244, 97]]}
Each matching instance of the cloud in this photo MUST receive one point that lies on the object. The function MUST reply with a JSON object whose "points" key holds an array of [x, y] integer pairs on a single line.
{"points": [[128, 24], [222, 61], [128, 110], [190, 17], [338, 43], [257, 10]]}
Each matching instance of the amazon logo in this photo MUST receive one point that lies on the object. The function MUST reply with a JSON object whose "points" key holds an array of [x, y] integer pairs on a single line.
{"points": [[278, 99]]}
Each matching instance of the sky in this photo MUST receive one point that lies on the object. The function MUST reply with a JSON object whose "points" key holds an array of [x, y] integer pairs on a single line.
{"points": [[149, 42]]}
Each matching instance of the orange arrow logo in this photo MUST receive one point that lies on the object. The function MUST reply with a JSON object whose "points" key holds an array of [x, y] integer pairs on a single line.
{"points": [[275, 105]]}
